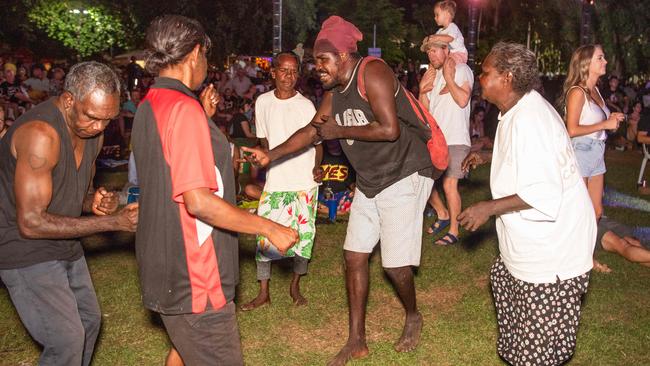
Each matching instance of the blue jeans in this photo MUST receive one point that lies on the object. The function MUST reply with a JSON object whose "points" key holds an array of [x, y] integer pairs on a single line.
{"points": [[57, 304], [590, 154]]}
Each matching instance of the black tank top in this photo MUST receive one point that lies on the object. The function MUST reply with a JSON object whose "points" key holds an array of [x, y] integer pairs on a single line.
{"points": [[380, 164], [69, 187]]}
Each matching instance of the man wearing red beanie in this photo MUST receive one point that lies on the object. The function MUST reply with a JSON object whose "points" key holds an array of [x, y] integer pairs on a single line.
{"points": [[385, 142]]}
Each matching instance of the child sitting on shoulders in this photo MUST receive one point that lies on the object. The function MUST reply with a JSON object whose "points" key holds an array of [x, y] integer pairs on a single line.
{"points": [[444, 13]]}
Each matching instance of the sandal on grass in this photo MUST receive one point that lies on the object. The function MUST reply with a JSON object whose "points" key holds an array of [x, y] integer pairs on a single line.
{"points": [[447, 239], [438, 226]]}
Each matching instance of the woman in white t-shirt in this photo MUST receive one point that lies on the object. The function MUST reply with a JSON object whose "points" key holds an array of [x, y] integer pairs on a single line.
{"points": [[544, 220], [588, 118]]}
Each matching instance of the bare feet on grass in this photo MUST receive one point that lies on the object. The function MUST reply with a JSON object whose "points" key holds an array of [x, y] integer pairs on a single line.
{"points": [[297, 297], [411, 334], [349, 351], [260, 300], [601, 267], [294, 291]]}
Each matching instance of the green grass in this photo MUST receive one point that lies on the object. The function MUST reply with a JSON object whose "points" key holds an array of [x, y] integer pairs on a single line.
{"points": [[453, 294]]}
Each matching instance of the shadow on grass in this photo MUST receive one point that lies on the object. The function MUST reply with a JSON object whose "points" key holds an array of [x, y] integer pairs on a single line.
{"points": [[108, 243], [471, 241]]}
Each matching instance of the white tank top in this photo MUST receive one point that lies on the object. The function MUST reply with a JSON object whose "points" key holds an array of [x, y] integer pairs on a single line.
{"points": [[591, 114]]}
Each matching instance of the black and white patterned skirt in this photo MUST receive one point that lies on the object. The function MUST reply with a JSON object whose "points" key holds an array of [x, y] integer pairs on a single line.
{"points": [[537, 322]]}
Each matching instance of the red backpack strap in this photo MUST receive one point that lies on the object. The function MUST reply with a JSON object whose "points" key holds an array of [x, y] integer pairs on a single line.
{"points": [[361, 83]]}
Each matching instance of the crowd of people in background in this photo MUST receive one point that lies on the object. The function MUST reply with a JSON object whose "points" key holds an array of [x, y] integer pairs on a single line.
{"points": [[23, 85], [547, 178]]}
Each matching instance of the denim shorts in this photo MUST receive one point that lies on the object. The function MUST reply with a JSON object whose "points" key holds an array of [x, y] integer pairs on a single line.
{"points": [[590, 154]]}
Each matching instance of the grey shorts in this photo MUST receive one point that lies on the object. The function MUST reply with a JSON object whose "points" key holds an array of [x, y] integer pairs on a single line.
{"points": [[457, 153], [300, 265], [207, 338], [393, 218], [590, 154]]}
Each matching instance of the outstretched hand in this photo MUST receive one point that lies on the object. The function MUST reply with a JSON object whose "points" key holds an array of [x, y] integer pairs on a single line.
{"points": [[475, 215], [471, 161], [255, 156], [283, 238], [127, 218]]}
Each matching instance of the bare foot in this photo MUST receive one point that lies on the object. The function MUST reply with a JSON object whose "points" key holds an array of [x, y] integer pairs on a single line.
{"points": [[298, 299], [294, 291], [411, 334], [348, 352], [260, 300], [601, 267]]}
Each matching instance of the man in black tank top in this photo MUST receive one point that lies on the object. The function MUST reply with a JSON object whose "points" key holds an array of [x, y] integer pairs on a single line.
{"points": [[46, 169], [386, 145]]}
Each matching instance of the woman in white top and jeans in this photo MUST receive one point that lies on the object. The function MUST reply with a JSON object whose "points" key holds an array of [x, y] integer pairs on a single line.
{"points": [[587, 118]]}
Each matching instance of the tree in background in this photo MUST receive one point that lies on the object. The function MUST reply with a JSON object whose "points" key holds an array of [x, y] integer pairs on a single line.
{"points": [[623, 28], [552, 27], [299, 22], [391, 29], [86, 29]]}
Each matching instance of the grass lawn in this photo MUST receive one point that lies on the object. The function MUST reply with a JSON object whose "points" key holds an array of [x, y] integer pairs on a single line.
{"points": [[453, 295]]}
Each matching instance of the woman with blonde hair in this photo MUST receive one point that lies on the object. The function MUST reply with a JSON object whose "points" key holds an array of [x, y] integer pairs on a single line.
{"points": [[587, 118]]}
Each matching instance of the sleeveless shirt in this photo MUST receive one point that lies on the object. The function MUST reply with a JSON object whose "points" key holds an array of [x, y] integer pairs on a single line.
{"points": [[69, 188], [379, 164], [592, 113]]}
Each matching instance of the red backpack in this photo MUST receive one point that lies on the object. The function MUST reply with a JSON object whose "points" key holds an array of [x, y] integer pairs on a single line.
{"points": [[437, 145]]}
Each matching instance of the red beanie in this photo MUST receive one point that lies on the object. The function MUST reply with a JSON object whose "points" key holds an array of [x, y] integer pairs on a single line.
{"points": [[337, 35]]}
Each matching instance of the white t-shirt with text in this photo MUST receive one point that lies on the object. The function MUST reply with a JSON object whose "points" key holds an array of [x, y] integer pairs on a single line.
{"points": [[533, 158]]}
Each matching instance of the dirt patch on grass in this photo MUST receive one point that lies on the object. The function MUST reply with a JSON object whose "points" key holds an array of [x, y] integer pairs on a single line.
{"points": [[384, 321], [482, 281], [385, 317], [327, 338], [441, 297]]}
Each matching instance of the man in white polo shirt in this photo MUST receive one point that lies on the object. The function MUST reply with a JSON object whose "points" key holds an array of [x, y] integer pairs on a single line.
{"points": [[447, 94]]}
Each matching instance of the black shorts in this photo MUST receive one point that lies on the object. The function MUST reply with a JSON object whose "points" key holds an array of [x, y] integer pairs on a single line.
{"points": [[208, 338]]}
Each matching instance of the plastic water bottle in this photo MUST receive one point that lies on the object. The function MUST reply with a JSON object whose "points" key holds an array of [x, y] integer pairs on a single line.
{"points": [[331, 203]]}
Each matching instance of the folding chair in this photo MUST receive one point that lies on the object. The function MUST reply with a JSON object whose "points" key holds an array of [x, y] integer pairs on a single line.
{"points": [[646, 157]]}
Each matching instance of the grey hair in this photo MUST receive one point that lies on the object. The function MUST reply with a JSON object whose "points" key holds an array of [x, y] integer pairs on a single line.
{"points": [[516, 59], [86, 77]]}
